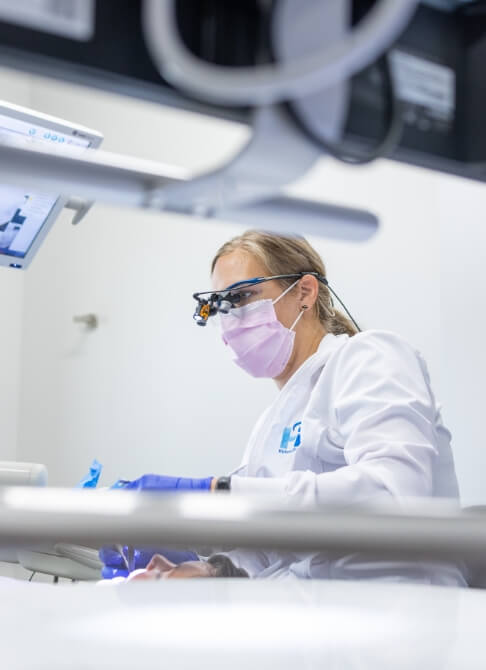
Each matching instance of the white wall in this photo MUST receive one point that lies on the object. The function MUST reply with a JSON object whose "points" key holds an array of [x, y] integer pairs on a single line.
{"points": [[13, 89], [462, 210], [149, 391]]}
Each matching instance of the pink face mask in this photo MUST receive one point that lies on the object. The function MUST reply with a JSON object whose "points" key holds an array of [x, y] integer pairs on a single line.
{"points": [[260, 343]]}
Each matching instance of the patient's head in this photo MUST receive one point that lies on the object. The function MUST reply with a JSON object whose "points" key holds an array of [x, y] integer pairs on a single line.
{"points": [[222, 566], [216, 566]]}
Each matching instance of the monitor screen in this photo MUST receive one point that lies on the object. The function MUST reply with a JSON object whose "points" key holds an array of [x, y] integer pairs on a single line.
{"points": [[23, 212]]}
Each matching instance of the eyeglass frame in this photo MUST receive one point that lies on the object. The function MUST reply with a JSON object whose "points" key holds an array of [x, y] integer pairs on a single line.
{"points": [[220, 296]]}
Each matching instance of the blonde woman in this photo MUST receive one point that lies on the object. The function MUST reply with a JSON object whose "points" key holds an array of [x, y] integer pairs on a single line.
{"points": [[355, 419]]}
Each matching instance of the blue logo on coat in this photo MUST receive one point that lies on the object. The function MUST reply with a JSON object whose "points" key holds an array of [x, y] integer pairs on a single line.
{"points": [[290, 439]]}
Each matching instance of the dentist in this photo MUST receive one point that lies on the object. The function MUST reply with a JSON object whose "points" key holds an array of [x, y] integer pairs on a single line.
{"points": [[355, 419]]}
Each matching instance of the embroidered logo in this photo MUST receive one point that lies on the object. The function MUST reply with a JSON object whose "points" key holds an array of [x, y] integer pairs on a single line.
{"points": [[290, 439]]}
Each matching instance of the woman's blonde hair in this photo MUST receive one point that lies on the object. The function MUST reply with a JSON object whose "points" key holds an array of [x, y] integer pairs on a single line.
{"points": [[280, 255]]}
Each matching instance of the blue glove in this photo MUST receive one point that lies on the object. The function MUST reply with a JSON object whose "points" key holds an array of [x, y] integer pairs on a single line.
{"points": [[163, 483], [90, 481], [114, 565]]}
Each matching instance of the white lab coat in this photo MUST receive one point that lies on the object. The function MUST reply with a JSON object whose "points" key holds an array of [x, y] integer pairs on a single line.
{"points": [[358, 421]]}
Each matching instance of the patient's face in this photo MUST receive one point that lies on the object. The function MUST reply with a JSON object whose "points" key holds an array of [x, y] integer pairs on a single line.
{"points": [[160, 568]]}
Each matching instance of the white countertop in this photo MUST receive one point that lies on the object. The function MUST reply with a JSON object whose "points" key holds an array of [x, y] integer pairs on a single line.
{"points": [[235, 624]]}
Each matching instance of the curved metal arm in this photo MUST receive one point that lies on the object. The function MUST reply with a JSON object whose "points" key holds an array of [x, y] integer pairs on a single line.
{"points": [[267, 84]]}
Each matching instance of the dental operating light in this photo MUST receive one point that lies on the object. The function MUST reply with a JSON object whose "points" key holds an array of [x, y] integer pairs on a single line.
{"points": [[350, 78]]}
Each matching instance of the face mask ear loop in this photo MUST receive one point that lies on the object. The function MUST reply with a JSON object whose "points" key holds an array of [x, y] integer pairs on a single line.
{"points": [[297, 320], [286, 291]]}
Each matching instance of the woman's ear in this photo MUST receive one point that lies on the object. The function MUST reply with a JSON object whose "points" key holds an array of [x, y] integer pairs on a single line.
{"points": [[309, 291]]}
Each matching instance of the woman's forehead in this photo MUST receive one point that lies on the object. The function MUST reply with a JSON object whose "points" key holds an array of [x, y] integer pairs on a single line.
{"points": [[236, 266]]}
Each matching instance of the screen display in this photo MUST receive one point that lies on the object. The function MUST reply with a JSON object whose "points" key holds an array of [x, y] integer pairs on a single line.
{"points": [[23, 212]]}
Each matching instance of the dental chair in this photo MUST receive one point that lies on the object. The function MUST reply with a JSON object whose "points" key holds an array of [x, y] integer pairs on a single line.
{"points": [[65, 561]]}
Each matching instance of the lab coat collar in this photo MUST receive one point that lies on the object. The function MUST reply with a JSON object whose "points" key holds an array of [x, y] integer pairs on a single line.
{"points": [[327, 346]]}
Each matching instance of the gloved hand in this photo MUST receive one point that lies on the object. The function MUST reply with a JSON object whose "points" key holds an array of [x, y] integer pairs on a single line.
{"points": [[114, 565], [163, 483]]}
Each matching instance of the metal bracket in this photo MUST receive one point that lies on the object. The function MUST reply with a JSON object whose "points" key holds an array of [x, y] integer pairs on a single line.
{"points": [[89, 320], [80, 206]]}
